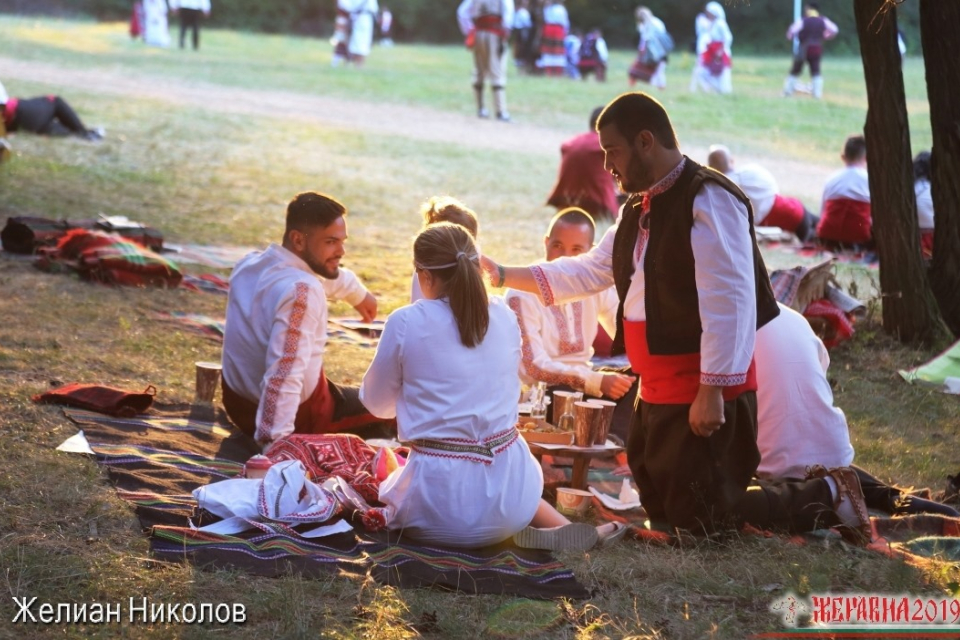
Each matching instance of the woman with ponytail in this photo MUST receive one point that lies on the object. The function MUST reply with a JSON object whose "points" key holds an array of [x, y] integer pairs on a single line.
{"points": [[446, 368]]}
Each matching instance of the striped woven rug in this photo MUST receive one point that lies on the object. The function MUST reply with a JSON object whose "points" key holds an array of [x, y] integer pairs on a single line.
{"points": [[156, 461]]}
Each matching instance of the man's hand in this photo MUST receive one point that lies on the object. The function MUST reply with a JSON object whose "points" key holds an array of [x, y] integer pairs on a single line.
{"points": [[488, 266], [615, 385], [367, 308], [706, 412]]}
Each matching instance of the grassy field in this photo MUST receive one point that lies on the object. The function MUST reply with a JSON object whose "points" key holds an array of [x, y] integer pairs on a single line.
{"points": [[203, 158]]}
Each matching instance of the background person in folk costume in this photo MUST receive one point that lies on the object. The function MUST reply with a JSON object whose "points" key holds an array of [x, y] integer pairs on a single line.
{"points": [[341, 31], [190, 12], [156, 30], [810, 32], [581, 179], [487, 24], [693, 290], [556, 24], [523, 37], [593, 55], [651, 63], [362, 22], [770, 209], [845, 217], [714, 47], [46, 115]]}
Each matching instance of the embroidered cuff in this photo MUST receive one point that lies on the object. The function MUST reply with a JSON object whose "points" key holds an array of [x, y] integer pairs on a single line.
{"points": [[723, 379], [543, 284]]}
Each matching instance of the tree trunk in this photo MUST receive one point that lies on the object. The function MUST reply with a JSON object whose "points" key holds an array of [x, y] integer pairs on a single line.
{"points": [[940, 24], [909, 308]]}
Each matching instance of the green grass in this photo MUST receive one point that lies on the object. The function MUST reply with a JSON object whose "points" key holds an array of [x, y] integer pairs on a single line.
{"points": [[215, 171]]}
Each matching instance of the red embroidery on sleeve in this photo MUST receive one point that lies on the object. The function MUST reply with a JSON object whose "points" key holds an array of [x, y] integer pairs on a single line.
{"points": [[543, 284], [290, 344]]}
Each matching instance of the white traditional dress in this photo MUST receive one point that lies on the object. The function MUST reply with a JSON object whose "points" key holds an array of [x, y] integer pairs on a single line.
{"points": [[156, 30], [361, 28], [470, 479]]}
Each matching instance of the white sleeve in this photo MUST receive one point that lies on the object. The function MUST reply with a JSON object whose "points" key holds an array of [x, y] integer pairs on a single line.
{"points": [[724, 272], [607, 305], [463, 17], [300, 323], [577, 277], [383, 381], [602, 51], [831, 29], [794, 29], [346, 287], [506, 16], [535, 361]]}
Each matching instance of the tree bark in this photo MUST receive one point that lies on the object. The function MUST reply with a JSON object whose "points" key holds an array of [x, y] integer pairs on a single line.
{"points": [[909, 309], [940, 24]]}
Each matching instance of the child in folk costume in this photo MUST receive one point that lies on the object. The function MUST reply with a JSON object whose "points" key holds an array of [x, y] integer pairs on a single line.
{"points": [[593, 55], [446, 367], [556, 24]]}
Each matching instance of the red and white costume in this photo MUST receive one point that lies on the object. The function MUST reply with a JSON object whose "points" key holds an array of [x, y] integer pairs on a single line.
{"points": [[845, 213], [721, 243], [470, 479], [275, 334], [769, 207]]}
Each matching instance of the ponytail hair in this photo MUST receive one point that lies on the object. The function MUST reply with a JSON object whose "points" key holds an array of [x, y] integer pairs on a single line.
{"points": [[450, 254]]}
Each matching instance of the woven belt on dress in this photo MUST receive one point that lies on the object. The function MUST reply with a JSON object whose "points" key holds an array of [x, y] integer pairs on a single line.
{"points": [[466, 449]]}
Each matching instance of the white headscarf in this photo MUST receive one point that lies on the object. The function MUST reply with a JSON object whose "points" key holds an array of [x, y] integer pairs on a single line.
{"points": [[716, 10]]}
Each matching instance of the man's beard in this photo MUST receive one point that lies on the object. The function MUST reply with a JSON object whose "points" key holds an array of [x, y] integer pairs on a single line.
{"points": [[638, 178], [321, 269]]}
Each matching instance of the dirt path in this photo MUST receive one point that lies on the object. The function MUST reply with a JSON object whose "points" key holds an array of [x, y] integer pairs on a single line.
{"points": [[421, 123]]}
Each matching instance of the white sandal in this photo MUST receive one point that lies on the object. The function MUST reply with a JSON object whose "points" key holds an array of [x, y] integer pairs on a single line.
{"points": [[576, 536]]}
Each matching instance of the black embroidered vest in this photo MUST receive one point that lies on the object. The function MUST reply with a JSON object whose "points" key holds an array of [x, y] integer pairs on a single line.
{"points": [[672, 303]]}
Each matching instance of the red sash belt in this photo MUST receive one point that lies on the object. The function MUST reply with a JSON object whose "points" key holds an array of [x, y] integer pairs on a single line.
{"points": [[671, 379], [489, 22], [845, 220]]}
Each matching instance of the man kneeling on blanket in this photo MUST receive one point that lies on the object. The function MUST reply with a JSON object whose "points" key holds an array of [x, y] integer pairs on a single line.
{"points": [[275, 330]]}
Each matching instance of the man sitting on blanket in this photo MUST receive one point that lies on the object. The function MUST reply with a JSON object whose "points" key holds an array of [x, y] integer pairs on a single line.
{"points": [[558, 339], [275, 330]]}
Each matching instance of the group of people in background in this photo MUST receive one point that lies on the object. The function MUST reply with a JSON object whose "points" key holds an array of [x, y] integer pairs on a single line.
{"points": [[149, 20]]}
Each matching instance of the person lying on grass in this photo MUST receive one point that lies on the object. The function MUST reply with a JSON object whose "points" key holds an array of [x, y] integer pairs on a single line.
{"points": [[446, 368]]}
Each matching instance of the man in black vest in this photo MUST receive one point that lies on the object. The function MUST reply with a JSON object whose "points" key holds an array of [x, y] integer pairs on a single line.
{"points": [[693, 290]]}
